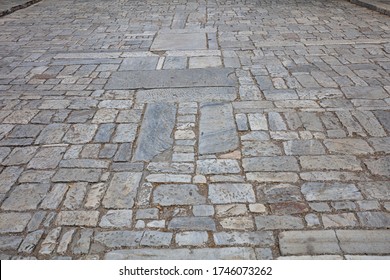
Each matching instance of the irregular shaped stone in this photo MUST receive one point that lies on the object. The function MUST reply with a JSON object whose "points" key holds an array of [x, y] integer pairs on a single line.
{"points": [[156, 130], [25, 197], [330, 191], [217, 129], [48, 245], [30, 242], [65, 241], [231, 193], [122, 190], [171, 79], [217, 166], [167, 195]]}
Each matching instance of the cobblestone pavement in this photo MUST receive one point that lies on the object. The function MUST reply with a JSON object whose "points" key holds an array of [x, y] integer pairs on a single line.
{"points": [[190, 129]]}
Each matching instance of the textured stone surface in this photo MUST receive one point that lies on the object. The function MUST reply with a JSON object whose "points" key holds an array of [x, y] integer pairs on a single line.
{"points": [[167, 195], [231, 193], [217, 129], [25, 197], [332, 191]]}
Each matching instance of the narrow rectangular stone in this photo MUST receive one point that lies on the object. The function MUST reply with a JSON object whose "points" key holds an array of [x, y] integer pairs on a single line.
{"points": [[330, 162], [171, 78], [330, 191], [303, 147], [95, 195], [374, 219], [155, 135], [170, 195], [275, 163], [217, 129], [112, 239], [348, 146], [78, 218], [169, 178], [368, 120], [231, 193], [273, 222], [166, 167], [84, 163], [281, 177], [217, 166], [364, 241], [256, 238], [122, 190], [192, 223], [54, 197], [77, 175], [156, 238], [376, 190], [308, 242]]}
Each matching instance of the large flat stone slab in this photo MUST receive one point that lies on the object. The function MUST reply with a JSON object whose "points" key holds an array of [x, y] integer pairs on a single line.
{"points": [[179, 41], [156, 130], [171, 79], [168, 195], [217, 128]]}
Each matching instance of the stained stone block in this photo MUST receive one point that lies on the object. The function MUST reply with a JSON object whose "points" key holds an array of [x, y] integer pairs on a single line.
{"points": [[217, 129], [156, 129], [122, 190], [167, 195], [117, 218]]}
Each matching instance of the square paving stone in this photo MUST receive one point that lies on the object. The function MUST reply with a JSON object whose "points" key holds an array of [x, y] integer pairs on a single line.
{"points": [[179, 41]]}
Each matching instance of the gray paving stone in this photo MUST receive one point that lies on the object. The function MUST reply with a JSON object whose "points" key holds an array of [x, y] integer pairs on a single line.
{"points": [[77, 174], [348, 146], [116, 218], [169, 178], [52, 133], [276, 121], [374, 219], [237, 253], [380, 166], [339, 220], [4, 152], [260, 148], [77, 218], [36, 221], [203, 210], [156, 238], [122, 190], [125, 133], [139, 63], [303, 147], [362, 92], [179, 41], [191, 238], [104, 133], [272, 177], [114, 239], [75, 196], [156, 129], [8, 177], [330, 191], [380, 144], [383, 118], [217, 166], [48, 245], [375, 190], [370, 123], [25, 197], [124, 152], [231, 193], [26, 131], [364, 241], [171, 79], [331, 162], [80, 133], [80, 116], [229, 210], [10, 242], [148, 213], [47, 158], [174, 167], [317, 242], [192, 223], [53, 199], [237, 223], [13, 222], [169, 195], [20, 156], [82, 244], [20, 116], [30, 242], [273, 222], [217, 129], [255, 238], [95, 195], [275, 163], [84, 163], [65, 241]]}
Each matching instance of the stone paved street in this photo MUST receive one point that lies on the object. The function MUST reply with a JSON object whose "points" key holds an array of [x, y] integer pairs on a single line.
{"points": [[195, 129]]}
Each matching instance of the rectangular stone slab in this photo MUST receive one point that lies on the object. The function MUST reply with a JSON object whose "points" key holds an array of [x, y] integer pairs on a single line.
{"points": [[156, 129], [179, 41], [217, 129], [172, 79]]}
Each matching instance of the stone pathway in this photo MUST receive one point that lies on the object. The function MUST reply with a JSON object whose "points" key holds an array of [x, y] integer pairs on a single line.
{"points": [[203, 129]]}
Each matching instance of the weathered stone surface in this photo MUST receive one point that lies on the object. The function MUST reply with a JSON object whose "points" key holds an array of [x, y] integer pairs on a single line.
{"points": [[47, 158], [116, 218], [8, 177], [95, 195], [255, 238], [13, 222], [374, 219], [380, 166], [80, 133], [114, 239], [303, 147], [236, 253], [229, 210], [25, 197], [217, 166], [179, 41], [237, 223], [77, 218], [192, 223], [376, 190], [52, 133], [339, 220], [280, 192], [156, 129], [384, 119], [174, 167], [203, 210], [330, 191], [65, 241], [289, 207], [156, 238], [30, 242], [20, 156], [380, 144], [231, 193], [197, 94], [10, 242], [139, 63], [276, 163], [53, 199], [308, 242], [279, 177], [171, 79], [364, 241], [122, 190], [48, 245], [77, 174], [83, 243], [191, 238], [260, 148], [273, 222], [75, 196], [217, 129], [331, 162], [348, 146], [125, 133], [361, 92], [167, 195], [148, 213]]}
